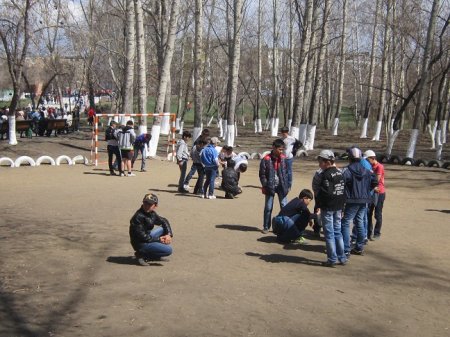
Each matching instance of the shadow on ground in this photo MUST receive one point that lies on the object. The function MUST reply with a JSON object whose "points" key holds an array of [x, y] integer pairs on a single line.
{"points": [[238, 228], [278, 258]]}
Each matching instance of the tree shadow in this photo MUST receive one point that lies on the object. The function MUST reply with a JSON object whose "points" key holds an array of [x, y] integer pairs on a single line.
{"points": [[280, 258], [129, 260], [445, 211], [238, 228]]}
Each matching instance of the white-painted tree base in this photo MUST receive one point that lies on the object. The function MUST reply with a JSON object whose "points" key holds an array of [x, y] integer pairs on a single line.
{"points": [[295, 132], [444, 131], [274, 127], [302, 133], [377, 134], [310, 138], [181, 127], [210, 121], [439, 145], [334, 129], [412, 143], [196, 132], [229, 138], [165, 123], [391, 141], [156, 131], [12, 130], [177, 123], [364, 128]]}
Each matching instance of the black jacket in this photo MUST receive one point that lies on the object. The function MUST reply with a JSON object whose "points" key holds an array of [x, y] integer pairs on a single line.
{"points": [[142, 223], [267, 174], [230, 181], [330, 196], [359, 181]]}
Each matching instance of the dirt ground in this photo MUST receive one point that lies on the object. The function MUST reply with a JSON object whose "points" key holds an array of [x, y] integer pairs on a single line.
{"points": [[67, 267]]}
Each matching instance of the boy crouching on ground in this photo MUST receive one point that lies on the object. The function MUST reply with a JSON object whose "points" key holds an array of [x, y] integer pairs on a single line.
{"points": [[148, 241]]}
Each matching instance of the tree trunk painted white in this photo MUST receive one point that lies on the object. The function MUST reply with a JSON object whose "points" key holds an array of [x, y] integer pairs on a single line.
{"points": [[255, 125], [258, 125], [439, 144], [129, 58], [364, 128], [295, 132], [181, 127], [230, 135], [177, 123], [289, 123], [259, 72], [310, 137], [156, 128], [432, 133], [235, 130], [141, 64], [302, 133], [196, 132], [334, 130], [391, 141], [273, 127], [220, 124], [198, 64], [224, 128], [376, 136], [210, 121], [12, 129], [165, 123], [412, 143], [444, 131]]}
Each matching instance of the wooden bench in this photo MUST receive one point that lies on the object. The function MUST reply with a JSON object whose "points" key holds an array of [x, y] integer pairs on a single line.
{"points": [[55, 125], [22, 126]]}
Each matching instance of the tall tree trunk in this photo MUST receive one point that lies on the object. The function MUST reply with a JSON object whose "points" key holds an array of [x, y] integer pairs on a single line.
{"points": [[257, 118], [341, 69], [275, 106], [141, 63], [234, 60], [423, 80], [130, 58], [198, 69], [291, 64]]}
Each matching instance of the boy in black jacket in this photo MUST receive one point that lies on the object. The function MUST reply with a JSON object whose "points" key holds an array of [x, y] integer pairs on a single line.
{"points": [[148, 241], [293, 218], [330, 200]]}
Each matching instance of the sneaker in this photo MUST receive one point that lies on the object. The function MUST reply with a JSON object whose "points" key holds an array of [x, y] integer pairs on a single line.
{"points": [[112, 173], [329, 264], [347, 254], [140, 259], [131, 175], [343, 263], [122, 174], [376, 237], [265, 231], [300, 240], [211, 197], [355, 251], [143, 170], [182, 190], [203, 196], [186, 187]]}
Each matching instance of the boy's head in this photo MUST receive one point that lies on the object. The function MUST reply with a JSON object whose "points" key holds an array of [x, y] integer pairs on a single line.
{"points": [[306, 195], [370, 156], [149, 202], [326, 159], [242, 168], [284, 131], [130, 123], [148, 136], [354, 154], [278, 147], [205, 132], [186, 135]]}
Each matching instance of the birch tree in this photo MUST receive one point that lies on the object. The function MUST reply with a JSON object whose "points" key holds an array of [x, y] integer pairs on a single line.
{"points": [[198, 69], [142, 67], [130, 42]]}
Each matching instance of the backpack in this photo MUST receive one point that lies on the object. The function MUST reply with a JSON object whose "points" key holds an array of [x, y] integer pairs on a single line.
{"points": [[109, 133], [297, 145]]}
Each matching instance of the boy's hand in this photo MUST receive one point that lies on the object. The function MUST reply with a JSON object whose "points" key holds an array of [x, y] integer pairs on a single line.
{"points": [[166, 239]]}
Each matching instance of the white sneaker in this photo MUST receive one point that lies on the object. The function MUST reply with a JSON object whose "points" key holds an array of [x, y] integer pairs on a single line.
{"points": [[186, 187], [211, 197], [122, 174], [131, 175]]}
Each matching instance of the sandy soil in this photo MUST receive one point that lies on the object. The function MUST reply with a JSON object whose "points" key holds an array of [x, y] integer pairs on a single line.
{"points": [[66, 265]]}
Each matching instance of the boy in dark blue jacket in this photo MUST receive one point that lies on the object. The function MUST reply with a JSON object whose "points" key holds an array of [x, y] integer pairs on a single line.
{"points": [[210, 161], [358, 183]]}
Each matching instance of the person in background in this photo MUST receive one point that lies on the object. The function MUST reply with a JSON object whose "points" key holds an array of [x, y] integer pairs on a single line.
{"points": [[139, 146], [230, 178], [113, 148], [289, 142], [182, 154], [210, 161], [126, 137]]}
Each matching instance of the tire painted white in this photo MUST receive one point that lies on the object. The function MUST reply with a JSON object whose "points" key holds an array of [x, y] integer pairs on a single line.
{"points": [[63, 158], [364, 128], [301, 153], [6, 160], [155, 140], [24, 159], [254, 155], [265, 153], [79, 159], [377, 134], [244, 154], [46, 159]]}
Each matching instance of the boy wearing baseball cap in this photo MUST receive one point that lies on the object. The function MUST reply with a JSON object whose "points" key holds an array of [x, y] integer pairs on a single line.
{"points": [[150, 234]]}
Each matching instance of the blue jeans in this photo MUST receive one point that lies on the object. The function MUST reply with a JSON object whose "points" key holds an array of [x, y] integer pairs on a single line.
{"points": [[155, 249], [138, 149], [198, 189], [289, 170], [268, 206], [365, 226], [183, 169], [353, 212], [288, 228], [331, 224], [210, 172]]}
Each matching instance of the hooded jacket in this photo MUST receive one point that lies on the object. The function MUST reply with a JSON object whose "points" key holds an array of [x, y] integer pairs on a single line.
{"points": [[126, 137], [269, 167], [358, 183]]}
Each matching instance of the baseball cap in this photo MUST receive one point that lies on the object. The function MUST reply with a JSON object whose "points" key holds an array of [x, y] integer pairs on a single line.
{"points": [[215, 140], [354, 153], [369, 153], [150, 198], [284, 129], [326, 154]]}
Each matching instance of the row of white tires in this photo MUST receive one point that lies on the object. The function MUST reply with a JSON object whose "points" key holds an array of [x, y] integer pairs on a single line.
{"points": [[43, 159]]}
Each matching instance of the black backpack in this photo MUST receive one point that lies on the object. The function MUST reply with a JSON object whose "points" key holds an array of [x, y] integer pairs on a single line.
{"points": [[109, 133], [297, 145]]}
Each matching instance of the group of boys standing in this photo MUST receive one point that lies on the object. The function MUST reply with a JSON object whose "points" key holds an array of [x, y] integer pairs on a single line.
{"points": [[356, 191]]}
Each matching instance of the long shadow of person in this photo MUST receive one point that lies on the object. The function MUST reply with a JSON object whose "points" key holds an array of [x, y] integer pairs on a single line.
{"points": [[278, 258], [130, 260], [238, 228]]}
